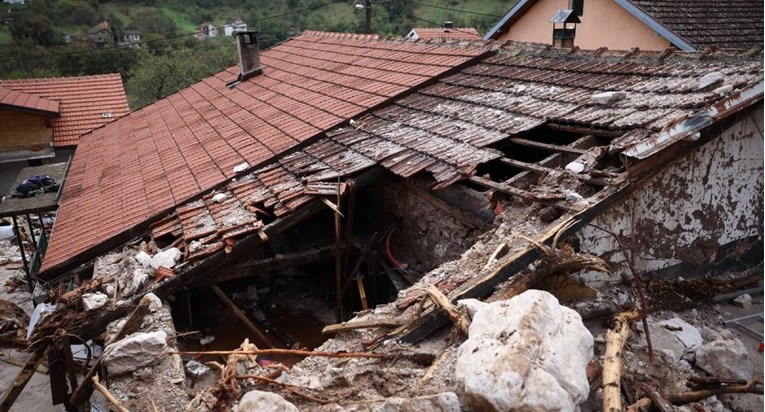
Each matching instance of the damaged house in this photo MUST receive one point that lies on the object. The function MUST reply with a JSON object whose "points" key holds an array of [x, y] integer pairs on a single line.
{"points": [[345, 176]]}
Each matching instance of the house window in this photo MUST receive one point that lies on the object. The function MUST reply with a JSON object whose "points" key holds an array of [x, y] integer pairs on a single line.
{"points": [[578, 7]]}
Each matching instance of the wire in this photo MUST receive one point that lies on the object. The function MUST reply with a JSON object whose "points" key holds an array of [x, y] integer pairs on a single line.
{"points": [[93, 51], [455, 10]]}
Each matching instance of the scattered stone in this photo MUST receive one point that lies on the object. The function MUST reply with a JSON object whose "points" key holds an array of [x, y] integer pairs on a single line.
{"points": [[549, 213], [442, 402], [743, 300], [219, 198], [135, 351], [723, 90], [144, 259], [710, 79], [94, 300], [155, 303], [135, 283], [726, 357], [526, 353], [196, 369], [258, 401], [608, 98], [166, 258], [675, 337]]}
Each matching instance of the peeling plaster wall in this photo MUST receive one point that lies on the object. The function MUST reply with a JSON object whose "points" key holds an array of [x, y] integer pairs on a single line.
{"points": [[710, 197]]}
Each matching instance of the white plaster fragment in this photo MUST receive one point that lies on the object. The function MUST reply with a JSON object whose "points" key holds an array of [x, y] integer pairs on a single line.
{"points": [[143, 258], [241, 167], [219, 198], [94, 300], [166, 258], [575, 167]]}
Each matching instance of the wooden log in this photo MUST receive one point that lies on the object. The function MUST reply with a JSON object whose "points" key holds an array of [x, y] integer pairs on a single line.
{"points": [[460, 319], [109, 397], [22, 378], [263, 336], [695, 396], [547, 146], [616, 337], [132, 324], [338, 261], [295, 352], [538, 169], [657, 400], [642, 405], [363, 324]]}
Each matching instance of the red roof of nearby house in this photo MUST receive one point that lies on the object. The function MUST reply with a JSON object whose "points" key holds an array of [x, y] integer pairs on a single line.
{"points": [[457, 33], [132, 171], [85, 102], [15, 100]]}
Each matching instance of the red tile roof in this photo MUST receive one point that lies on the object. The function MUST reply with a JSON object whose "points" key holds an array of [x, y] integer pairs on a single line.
{"points": [[86, 102], [446, 129], [456, 33], [131, 171], [15, 100]]}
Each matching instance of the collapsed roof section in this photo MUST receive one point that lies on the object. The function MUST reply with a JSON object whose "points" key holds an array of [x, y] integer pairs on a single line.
{"points": [[83, 103], [450, 128], [129, 173]]}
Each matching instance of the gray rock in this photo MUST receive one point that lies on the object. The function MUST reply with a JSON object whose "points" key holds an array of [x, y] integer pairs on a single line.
{"points": [[135, 351], [94, 300], [442, 402], [675, 336], [744, 300], [608, 98], [143, 258], [710, 79], [526, 353], [259, 401], [196, 369], [155, 303], [727, 358]]}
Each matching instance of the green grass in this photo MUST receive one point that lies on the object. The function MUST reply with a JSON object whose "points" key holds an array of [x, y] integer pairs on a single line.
{"points": [[5, 35], [180, 20]]}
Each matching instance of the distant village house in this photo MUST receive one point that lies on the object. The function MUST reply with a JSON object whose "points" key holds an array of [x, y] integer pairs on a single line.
{"points": [[234, 25]]}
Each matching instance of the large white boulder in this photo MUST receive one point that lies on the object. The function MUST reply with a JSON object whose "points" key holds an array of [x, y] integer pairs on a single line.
{"points": [[259, 401], [725, 357], [135, 351], [528, 353]]}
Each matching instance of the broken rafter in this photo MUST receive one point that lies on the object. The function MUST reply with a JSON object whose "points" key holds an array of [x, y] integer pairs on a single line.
{"points": [[24, 375], [523, 194], [294, 352], [547, 146], [364, 324], [532, 167], [585, 130], [262, 336]]}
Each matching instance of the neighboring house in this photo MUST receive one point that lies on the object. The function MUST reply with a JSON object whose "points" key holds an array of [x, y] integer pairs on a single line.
{"points": [[43, 119], [100, 35], [206, 30], [645, 24], [15, 1], [131, 37], [234, 25], [450, 33]]}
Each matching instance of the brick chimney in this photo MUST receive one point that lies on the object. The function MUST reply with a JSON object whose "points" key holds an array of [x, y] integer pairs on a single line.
{"points": [[249, 54]]}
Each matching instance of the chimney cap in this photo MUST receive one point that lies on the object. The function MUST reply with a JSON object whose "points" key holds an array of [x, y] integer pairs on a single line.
{"points": [[448, 24]]}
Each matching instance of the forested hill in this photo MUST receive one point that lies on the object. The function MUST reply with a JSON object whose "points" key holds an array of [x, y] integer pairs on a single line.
{"points": [[55, 37]]}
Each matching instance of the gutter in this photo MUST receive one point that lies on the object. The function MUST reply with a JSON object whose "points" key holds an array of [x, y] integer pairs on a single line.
{"points": [[689, 128]]}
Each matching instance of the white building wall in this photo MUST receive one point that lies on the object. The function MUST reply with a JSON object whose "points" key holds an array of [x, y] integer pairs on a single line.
{"points": [[710, 197]]}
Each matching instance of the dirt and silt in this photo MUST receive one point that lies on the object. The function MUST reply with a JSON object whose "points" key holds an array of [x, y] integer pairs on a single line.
{"points": [[295, 305]]}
